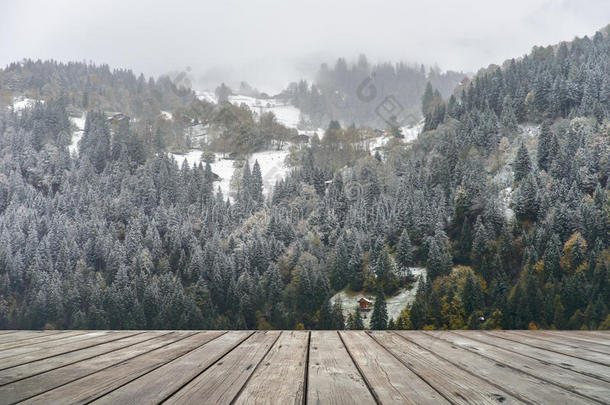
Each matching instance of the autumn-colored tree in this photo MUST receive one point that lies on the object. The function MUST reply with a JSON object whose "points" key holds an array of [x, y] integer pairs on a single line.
{"points": [[574, 251]]}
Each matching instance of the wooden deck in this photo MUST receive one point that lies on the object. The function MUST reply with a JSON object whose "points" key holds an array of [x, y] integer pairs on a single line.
{"points": [[297, 367]]}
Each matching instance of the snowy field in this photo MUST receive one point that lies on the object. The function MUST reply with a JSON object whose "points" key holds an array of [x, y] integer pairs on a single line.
{"points": [[79, 123], [395, 304], [530, 130], [271, 162], [286, 114], [21, 103], [410, 134]]}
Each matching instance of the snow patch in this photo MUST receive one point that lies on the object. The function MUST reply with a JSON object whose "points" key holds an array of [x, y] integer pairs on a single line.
{"points": [[207, 95], [77, 134], [286, 114], [530, 130], [272, 164], [395, 304], [506, 196], [21, 103], [412, 132]]}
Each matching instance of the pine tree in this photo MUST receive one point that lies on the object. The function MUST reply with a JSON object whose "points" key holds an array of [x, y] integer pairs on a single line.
{"points": [[404, 251], [337, 315], [355, 269], [439, 259], [256, 184], [222, 93], [523, 164], [479, 245], [243, 195], [384, 270], [427, 99], [527, 202], [379, 318], [509, 119], [472, 294], [544, 146], [417, 314], [325, 320], [357, 323], [338, 275]]}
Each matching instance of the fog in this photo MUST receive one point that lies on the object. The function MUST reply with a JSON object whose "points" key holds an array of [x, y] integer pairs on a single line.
{"points": [[271, 42]]}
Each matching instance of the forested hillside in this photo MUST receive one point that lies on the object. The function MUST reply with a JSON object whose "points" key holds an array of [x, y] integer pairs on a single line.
{"points": [[92, 87], [351, 93], [504, 199]]}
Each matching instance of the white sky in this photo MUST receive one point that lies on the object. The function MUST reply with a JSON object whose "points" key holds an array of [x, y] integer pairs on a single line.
{"points": [[271, 42]]}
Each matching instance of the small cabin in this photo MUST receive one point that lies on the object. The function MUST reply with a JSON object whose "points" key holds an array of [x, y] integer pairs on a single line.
{"points": [[365, 304]]}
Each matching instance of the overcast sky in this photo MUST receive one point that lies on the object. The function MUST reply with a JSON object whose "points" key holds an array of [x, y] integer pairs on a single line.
{"points": [[271, 42]]}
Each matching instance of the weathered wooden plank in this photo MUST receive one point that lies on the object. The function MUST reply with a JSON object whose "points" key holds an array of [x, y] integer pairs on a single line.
{"points": [[586, 336], [389, 380], [40, 366], [31, 386], [20, 355], [94, 386], [568, 352], [562, 337], [280, 376], [605, 334], [573, 335], [156, 386], [333, 377], [519, 384], [220, 383], [453, 383], [586, 386], [4, 347], [15, 336]]}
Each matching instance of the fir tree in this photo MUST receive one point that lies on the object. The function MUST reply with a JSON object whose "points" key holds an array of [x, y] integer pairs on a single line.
{"points": [[544, 146], [256, 184], [523, 164], [379, 318], [404, 251], [357, 322]]}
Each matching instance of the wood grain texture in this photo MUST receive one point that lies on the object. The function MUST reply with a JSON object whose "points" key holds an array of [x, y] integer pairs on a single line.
{"points": [[156, 386], [567, 356], [521, 385], [280, 377], [300, 367], [222, 382], [91, 387], [38, 384], [453, 383], [21, 355], [390, 381], [333, 377], [594, 343], [16, 336], [37, 367], [41, 338], [578, 383]]}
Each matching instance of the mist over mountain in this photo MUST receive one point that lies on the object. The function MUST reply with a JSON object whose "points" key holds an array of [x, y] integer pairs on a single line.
{"points": [[271, 43]]}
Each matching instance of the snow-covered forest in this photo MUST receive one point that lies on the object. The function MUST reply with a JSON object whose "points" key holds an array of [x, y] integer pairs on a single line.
{"points": [[134, 202]]}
